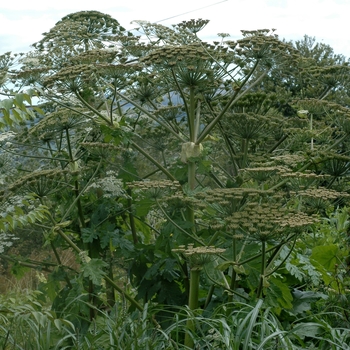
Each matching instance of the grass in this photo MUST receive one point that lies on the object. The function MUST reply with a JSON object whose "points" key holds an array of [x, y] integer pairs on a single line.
{"points": [[26, 324]]}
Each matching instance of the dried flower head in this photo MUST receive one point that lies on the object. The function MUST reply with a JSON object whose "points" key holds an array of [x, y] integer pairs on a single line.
{"points": [[263, 222], [193, 25], [199, 256], [155, 189]]}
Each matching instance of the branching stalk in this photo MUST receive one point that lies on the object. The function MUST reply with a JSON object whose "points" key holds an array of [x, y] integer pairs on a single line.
{"points": [[153, 117], [233, 99]]}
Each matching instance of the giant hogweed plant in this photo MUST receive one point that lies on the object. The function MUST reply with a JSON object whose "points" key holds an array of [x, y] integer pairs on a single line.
{"points": [[169, 158]]}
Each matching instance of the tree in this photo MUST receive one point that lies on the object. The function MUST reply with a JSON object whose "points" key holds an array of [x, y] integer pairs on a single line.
{"points": [[182, 167]]}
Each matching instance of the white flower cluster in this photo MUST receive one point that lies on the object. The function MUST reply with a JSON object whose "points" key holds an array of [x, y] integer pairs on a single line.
{"points": [[30, 60], [6, 240], [156, 218], [7, 135], [111, 186], [13, 203]]}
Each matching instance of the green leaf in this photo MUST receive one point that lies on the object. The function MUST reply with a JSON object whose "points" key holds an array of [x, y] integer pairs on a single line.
{"points": [[143, 206], [7, 104], [123, 243], [16, 114], [88, 235], [309, 329], [18, 270], [279, 295], [93, 269], [225, 265], [302, 300], [27, 98], [58, 323], [325, 255], [239, 269], [170, 271], [19, 98], [39, 110], [324, 258]]}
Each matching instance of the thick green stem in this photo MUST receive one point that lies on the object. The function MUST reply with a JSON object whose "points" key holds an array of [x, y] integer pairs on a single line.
{"points": [[312, 139], [233, 272], [33, 265], [80, 193], [92, 297], [194, 288], [191, 164], [191, 116], [192, 304], [245, 143], [131, 218], [262, 273], [227, 287], [76, 183], [270, 268], [191, 175]]}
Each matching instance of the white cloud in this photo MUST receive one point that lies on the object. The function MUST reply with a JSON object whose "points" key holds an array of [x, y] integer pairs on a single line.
{"points": [[23, 21]]}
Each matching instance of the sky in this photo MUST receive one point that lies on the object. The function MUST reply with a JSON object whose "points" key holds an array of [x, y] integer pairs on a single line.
{"points": [[22, 22]]}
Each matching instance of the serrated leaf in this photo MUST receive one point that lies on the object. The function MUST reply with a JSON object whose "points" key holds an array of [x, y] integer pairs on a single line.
{"points": [[295, 271], [122, 243], [88, 235], [93, 269]]}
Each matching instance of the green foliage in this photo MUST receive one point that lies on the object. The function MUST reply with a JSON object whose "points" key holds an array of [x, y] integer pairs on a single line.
{"points": [[184, 179], [325, 259], [16, 112], [93, 269]]}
